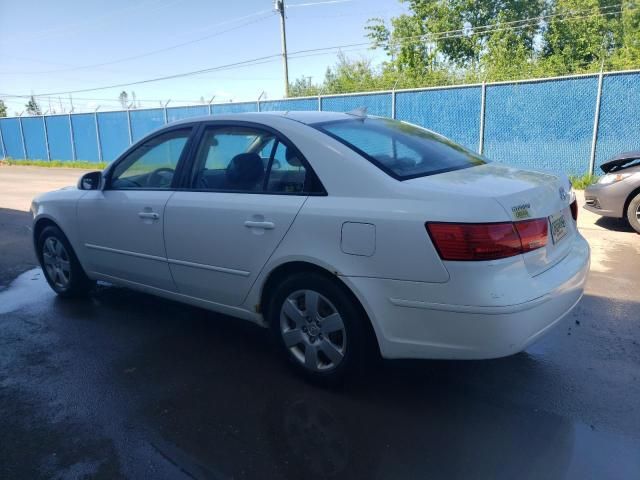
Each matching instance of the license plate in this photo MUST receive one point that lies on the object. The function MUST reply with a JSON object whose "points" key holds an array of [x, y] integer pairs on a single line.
{"points": [[559, 229]]}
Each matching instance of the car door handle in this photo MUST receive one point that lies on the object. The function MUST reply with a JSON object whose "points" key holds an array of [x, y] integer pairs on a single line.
{"points": [[151, 215], [263, 225]]}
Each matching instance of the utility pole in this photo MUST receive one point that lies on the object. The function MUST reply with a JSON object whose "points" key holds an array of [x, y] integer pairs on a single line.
{"points": [[279, 6]]}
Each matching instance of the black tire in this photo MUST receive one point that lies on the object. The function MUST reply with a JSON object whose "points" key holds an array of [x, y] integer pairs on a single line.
{"points": [[356, 328], [633, 210], [76, 283]]}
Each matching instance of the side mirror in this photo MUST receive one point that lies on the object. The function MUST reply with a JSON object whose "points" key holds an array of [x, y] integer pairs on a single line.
{"points": [[90, 181]]}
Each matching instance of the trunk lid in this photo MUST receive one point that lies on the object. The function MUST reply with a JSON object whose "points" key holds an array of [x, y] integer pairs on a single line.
{"points": [[523, 195], [620, 162]]}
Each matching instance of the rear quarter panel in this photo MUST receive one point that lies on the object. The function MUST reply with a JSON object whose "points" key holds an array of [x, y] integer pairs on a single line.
{"points": [[402, 250]]}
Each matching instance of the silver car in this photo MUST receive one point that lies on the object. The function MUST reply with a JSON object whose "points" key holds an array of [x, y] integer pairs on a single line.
{"points": [[617, 193]]}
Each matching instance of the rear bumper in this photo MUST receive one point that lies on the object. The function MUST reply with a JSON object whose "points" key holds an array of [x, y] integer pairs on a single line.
{"points": [[409, 325]]}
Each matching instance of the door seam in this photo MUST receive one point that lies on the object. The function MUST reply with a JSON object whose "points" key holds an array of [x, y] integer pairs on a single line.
{"points": [[250, 289], [164, 241]]}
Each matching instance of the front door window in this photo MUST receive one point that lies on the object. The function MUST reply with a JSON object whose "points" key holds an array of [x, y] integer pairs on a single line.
{"points": [[153, 164]]}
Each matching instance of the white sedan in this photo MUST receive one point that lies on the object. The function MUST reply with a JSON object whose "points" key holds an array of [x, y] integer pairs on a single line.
{"points": [[347, 235]]}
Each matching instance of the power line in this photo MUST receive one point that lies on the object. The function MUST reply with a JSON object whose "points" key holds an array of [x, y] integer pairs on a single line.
{"points": [[489, 28], [172, 47], [310, 53], [268, 58], [146, 54], [53, 32]]}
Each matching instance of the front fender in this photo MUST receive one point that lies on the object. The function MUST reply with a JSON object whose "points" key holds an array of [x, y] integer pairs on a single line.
{"points": [[60, 208]]}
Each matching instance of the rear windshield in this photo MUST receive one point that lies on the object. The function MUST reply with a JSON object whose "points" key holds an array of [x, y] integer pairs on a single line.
{"points": [[403, 151]]}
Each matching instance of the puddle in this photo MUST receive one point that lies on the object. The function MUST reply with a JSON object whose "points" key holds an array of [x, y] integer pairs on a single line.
{"points": [[26, 289]]}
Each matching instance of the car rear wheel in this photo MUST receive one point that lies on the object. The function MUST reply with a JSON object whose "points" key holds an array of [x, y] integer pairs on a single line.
{"points": [[60, 265], [633, 213], [318, 327]]}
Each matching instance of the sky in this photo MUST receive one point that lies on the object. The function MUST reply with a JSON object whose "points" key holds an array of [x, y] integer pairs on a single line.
{"points": [[51, 47]]}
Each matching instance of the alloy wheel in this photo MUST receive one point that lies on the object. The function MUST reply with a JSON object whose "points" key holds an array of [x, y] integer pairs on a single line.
{"points": [[57, 262], [313, 330]]}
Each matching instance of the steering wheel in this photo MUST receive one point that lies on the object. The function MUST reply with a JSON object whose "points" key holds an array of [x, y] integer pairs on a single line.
{"points": [[156, 179]]}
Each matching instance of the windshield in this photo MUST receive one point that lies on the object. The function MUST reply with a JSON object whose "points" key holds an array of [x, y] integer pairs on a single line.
{"points": [[402, 150]]}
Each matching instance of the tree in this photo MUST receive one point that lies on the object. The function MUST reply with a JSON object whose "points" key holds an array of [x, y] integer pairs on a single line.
{"points": [[453, 33], [439, 42], [32, 107], [351, 75], [579, 36], [472, 40], [506, 57], [3, 109], [627, 55], [303, 87], [347, 75], [124, 99]]}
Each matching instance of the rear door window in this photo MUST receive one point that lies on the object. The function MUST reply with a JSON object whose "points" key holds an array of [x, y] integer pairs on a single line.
{"points": [[287, 174], [248, 159], [229, 159]]}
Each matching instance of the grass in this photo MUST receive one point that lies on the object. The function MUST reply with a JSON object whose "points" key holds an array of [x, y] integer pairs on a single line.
{"points": [[582, 182], [56, 163]]}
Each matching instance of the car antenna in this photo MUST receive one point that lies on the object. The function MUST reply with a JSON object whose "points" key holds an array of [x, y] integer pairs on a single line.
{"points": [[360, 112]]}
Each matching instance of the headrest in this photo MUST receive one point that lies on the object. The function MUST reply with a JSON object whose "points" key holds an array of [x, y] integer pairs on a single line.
{"points": [[292, 158], [245, 168]]}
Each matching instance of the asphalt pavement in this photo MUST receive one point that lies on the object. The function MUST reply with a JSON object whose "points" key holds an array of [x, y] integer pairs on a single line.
{"points": [[126, 385]]}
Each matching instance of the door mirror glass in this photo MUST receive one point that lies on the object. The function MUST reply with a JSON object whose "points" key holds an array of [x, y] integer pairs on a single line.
{"points": [[90, 181]]}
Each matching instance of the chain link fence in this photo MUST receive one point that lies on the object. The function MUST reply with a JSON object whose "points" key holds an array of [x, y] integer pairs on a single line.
{"points": [[565, 124]]}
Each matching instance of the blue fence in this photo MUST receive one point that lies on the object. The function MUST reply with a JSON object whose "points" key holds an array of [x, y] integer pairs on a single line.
{"points": [[553, 124]]}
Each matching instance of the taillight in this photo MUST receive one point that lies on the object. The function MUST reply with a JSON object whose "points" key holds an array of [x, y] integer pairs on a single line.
{"points": [[487, 241], [532, 233], [574, 210]]}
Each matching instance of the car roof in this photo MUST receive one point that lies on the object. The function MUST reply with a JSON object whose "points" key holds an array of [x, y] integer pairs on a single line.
{"points": [[306, 117]]}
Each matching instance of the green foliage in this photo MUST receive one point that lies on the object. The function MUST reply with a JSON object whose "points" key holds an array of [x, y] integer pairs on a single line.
{"points": [[582, 182], [56, 163], [628, 36], [32, 107], [577, 36], [442, 42], [351, 76], [3, 109], [302, 87]]}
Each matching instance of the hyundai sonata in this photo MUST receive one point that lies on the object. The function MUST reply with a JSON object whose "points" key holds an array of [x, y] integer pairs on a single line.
{"points": [[338, 231]]}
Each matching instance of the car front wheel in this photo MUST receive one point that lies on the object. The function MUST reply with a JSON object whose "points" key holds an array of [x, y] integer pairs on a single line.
{"points": [[633, 213], [319, 327], [60, 265]]}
